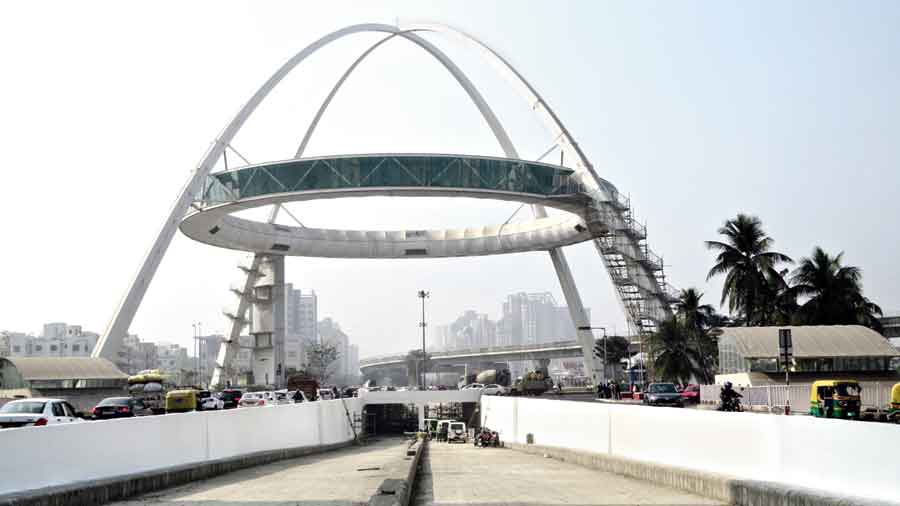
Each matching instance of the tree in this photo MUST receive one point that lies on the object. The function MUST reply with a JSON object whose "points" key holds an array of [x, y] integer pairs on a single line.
{"points": [[748, 265], [674, 359], [319, 357], [834, 292], [697, 319], [616, 350]]}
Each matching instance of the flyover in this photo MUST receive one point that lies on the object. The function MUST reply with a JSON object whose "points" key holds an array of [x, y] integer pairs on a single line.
{"points": [[540, 351]]}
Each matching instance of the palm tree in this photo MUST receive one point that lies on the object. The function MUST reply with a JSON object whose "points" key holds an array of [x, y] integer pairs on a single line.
{"points": [[834, 291], [674, 359], [745, 260], [697, 319], [691, 312]]}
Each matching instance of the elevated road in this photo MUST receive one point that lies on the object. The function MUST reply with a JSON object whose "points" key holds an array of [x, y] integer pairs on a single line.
{"points": [[559, 349]]}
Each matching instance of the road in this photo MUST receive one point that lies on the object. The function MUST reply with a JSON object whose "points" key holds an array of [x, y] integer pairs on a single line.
{"points": [[464, 475], [339, 478]]}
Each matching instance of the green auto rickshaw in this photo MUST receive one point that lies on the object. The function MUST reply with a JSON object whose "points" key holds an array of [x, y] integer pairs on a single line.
{"points": [[835, 399], [894, 408]]}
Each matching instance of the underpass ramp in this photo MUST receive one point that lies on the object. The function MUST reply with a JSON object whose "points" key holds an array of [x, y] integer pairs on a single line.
{"points": [[461, 474], [344, 477]]}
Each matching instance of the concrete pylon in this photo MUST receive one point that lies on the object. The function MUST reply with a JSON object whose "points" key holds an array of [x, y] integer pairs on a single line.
{"points": [[267, 323]]}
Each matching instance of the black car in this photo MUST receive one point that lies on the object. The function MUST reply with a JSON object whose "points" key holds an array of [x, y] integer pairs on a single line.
{"points": [[663, 394], [119, 407], [230, 397]]}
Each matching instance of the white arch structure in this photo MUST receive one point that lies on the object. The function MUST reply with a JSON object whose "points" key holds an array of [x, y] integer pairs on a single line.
{"points": [[634, 269]]}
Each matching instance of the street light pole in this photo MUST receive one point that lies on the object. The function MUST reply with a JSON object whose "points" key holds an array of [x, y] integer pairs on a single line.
{"points": [[423, 295]]}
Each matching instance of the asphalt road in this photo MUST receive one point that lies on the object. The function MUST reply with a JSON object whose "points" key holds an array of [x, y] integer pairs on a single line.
{"points": [[460, 474]]}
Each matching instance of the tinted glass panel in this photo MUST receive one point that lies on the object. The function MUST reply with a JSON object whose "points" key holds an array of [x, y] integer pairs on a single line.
{"points": [[395, 170]]}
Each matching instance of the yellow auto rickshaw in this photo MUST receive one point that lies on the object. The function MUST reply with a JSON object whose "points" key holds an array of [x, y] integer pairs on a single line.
{"points": [[180, 401], [835, 399], [894, 410]]}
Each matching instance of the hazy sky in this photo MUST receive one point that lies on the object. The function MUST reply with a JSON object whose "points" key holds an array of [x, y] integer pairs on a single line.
{"points": [[787, 110]]}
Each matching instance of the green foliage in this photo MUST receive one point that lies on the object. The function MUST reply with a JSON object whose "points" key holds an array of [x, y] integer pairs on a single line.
{"points": [[834, 292], [760, 294], [749, 267], [696, 319], [673, 353], [616, 349]]}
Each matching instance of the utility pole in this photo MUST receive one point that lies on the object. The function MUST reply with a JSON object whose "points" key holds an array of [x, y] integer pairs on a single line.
{"points": [[423, 295]]}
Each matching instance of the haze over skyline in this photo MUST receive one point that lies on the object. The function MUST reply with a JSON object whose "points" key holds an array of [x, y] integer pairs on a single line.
{"points": [[697, 110]]}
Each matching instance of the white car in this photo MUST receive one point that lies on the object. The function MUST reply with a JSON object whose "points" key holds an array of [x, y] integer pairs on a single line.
{"points": [[494, 390], [257, 399], [326, 394], [473, 386], [211, 403], [37, 412]]}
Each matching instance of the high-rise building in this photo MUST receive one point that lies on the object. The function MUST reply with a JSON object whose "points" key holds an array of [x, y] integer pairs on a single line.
{"points": [[470, 330], [346, 368], [532, 318], [300, 313]]}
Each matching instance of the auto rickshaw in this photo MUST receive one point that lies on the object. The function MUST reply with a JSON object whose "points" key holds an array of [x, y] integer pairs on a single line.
{"points": [[835, 399], [894, 411], [180, 401]]}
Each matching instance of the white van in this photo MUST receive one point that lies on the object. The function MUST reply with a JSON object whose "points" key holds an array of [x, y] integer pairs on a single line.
{"points": [[457, 433]]}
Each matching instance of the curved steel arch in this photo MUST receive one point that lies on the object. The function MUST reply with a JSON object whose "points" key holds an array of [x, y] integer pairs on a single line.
{"points": [[109, 343]]}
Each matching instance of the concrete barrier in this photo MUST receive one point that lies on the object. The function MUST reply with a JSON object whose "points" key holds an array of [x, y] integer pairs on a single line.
{"points": [[397, 490], [795, 454], [137, 453], [717, 486]]}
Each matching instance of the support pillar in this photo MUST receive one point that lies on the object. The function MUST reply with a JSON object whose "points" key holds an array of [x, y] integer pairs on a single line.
{"points": [[576, 311], [421, 409], [267, 323]]}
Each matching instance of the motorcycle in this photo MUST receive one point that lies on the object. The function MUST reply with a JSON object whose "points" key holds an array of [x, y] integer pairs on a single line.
{"points": [[731, 403], [487, 438]]}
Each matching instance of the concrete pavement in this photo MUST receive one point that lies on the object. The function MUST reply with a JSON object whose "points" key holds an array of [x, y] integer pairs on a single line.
{"points": [[455, 475], [339, 478]]}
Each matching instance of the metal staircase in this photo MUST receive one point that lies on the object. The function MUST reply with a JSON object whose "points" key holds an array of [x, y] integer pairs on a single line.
{"points": [[635, 270]]}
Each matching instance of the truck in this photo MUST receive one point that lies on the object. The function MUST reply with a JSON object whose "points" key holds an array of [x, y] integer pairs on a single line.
{"points": [[493, 377], [305, 383], [150, 386], [532, 383]]}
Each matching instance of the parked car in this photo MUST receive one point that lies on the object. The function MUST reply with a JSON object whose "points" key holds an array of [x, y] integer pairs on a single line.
{"points": [[120, 407], [662, 394], [457, 433], [495, 390], [473, 386], [257, 399], [230, 398], [37, 412], [208, 402], [691, 394]]}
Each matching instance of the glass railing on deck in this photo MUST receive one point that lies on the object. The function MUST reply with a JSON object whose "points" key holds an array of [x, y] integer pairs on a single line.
{"points": [[388, 171]]}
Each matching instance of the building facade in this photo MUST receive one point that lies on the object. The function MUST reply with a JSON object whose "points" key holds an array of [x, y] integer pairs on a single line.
{"points": [[58, 340]]}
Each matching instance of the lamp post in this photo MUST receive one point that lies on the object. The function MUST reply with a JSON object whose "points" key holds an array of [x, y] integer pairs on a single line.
{"points": [[195, 348], [423, 295], [589, 328]]}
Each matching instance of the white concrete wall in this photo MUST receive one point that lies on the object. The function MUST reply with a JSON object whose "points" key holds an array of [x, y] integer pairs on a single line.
{"points": [[60, 454], [832, 455]]}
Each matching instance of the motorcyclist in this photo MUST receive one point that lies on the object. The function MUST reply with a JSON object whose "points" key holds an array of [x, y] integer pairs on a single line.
{"points": [[729, 398]]}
